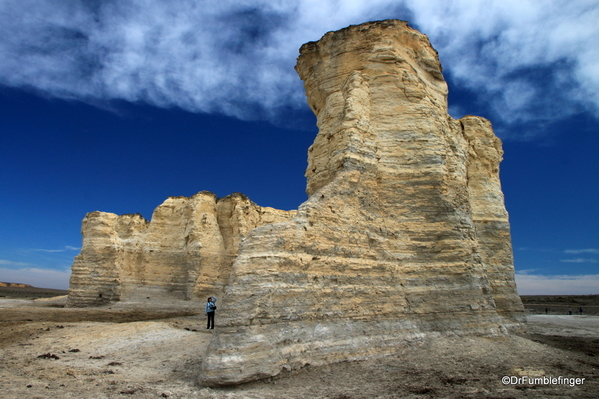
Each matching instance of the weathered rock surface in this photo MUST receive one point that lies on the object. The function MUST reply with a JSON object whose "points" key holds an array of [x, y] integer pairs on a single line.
{"points": [[405, 234], [185, 252]]}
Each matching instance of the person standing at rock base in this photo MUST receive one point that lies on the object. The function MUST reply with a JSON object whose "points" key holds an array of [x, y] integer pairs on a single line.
{"points": [[210, 309]]}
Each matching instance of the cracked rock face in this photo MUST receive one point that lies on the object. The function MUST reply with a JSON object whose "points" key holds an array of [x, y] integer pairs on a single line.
{"points": [[185, 252], [405, 233]]}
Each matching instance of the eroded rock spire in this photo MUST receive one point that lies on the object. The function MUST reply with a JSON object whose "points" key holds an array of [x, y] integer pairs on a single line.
{"points": [[404, 235]]}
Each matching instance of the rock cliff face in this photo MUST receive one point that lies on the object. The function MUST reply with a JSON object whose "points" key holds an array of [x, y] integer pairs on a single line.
{"points": [[405, 233], [185, 252]]}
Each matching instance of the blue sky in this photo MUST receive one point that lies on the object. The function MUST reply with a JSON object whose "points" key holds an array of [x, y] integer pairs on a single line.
{"points": [[116, 105]]}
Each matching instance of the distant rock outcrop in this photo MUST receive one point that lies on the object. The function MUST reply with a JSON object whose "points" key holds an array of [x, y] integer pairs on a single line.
{"points": [[405, 233], [14, 285], [185, 252]]}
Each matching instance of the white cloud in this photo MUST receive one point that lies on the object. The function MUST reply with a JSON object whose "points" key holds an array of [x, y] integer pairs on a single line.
{"points": [[580, 260], [65, 249], [531, 60], [531, 284], [237, 57], [582, 251], [42, 278], [12, 263]]}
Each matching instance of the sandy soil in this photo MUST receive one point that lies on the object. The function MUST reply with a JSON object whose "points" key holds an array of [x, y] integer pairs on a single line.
{"points": [[133, 351]]}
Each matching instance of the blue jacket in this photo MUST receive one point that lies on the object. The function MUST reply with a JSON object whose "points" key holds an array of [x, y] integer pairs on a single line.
{"points": [[210, 306]]}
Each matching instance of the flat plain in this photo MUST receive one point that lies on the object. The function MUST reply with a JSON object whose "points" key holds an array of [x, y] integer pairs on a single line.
{"points": [[153, 350]]}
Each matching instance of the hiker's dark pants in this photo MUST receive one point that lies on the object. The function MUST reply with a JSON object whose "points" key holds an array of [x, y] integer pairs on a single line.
{"points": [[210, 320]]}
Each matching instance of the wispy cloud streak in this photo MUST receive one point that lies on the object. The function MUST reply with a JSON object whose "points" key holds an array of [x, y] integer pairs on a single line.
{"points": [[5, 262], [65, 249], [580, 260], [582, 251], [529, 60], [587, 251]]}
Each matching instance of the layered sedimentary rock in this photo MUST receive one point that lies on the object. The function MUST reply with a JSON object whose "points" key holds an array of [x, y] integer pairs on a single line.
{"points": [[489, 214], [185, 252], [404, 235]]}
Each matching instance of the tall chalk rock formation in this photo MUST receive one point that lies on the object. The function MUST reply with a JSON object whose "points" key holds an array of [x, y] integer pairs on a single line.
{"points": [[405, 233], [185, 252]]}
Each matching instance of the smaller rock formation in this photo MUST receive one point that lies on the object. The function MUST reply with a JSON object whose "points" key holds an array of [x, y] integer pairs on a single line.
{"points": [[185, 252], [14, 285]]}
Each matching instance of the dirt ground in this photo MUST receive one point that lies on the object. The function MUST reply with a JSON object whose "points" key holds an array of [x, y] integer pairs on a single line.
{"points": [[561, 304], [132, 350]]}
